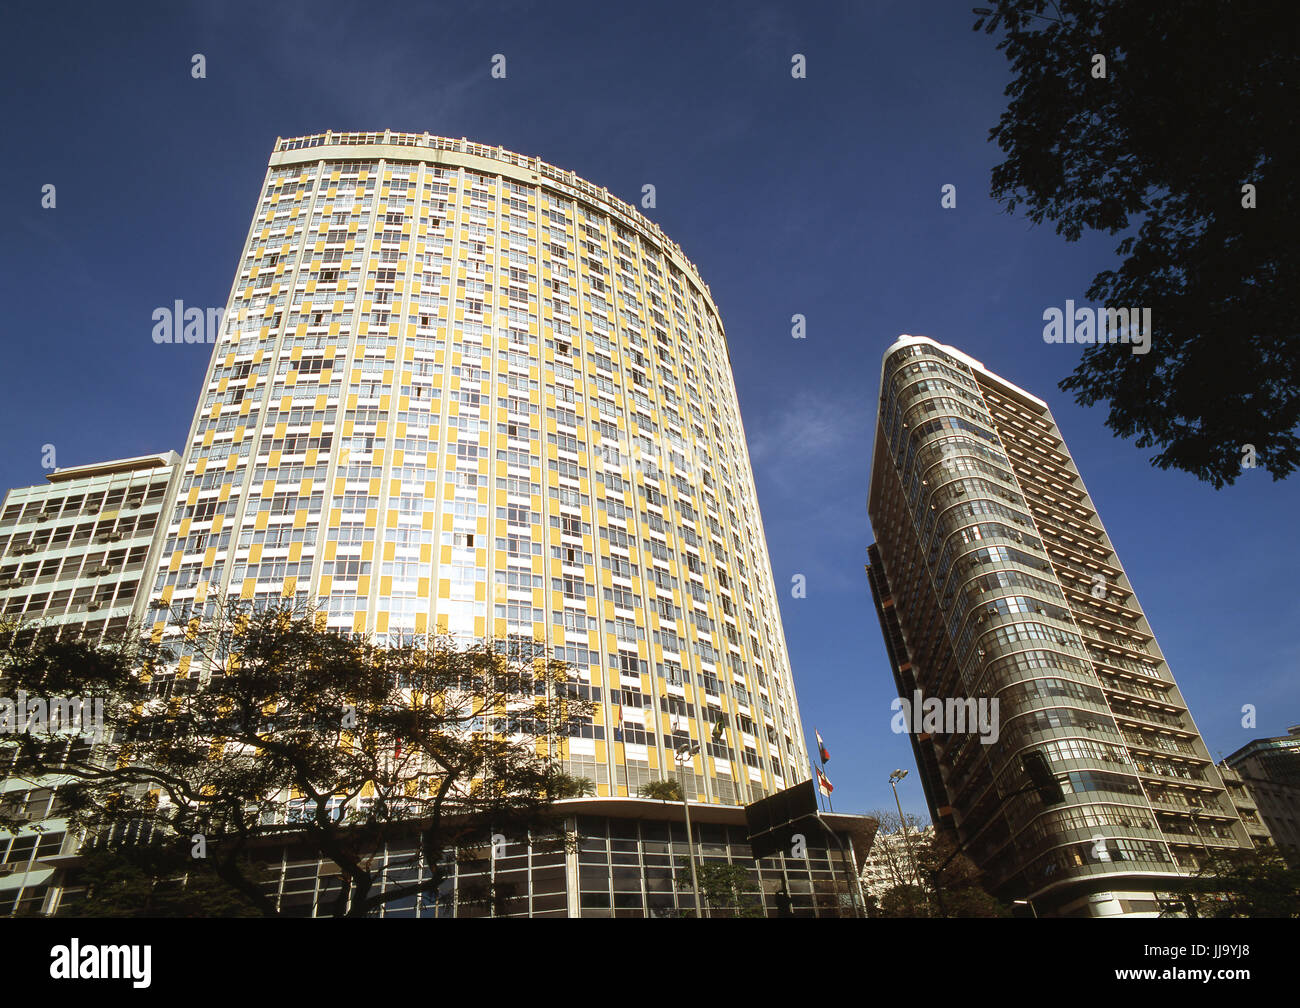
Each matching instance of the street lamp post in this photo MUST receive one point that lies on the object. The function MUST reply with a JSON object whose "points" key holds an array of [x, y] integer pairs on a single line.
{"points": [[684, 752], [894, 778]]}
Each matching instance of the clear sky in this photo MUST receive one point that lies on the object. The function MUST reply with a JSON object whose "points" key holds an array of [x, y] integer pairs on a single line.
{"points": [[818, 196]]}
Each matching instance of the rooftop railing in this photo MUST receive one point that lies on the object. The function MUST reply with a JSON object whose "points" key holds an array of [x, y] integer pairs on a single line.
{"points": [[601, 198]]}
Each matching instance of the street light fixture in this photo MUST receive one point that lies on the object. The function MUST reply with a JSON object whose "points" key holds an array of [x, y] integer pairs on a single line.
{"points": [[894, 778], [684, 752]]}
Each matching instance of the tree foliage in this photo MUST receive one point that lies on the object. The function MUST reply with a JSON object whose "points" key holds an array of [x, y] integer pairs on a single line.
{"points": [[152, 880], [565, 786], [1240, 884], [661, 790], [950, 885], [250, 727], [1197, 102], [725, 889], [957, 883]]}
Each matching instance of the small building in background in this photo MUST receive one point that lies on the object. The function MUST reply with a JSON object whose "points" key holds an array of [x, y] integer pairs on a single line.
{"points": [[73, 551]]}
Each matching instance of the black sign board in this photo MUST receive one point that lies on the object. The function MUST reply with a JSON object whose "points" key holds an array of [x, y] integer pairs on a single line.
{"points": [[774, 821]]}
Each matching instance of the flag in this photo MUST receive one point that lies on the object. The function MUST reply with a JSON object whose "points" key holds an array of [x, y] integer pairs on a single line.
{"points": [[719, 728], [618, 723], [822, 751], [823, 784]]}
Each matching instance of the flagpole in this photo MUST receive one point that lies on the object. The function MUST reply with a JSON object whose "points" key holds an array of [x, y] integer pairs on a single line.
{"points": [[821, 755]]}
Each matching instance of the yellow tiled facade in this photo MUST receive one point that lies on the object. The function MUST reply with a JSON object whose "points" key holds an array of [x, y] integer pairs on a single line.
{"points": [[458, 390]]}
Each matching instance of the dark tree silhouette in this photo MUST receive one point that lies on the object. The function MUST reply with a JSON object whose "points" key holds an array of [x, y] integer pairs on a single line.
{"points": [[1239, 884], [247, 729], [1189, 148]]}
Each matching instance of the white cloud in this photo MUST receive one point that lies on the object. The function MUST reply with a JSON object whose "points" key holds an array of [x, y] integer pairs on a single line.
{"points": [[810, 432]]}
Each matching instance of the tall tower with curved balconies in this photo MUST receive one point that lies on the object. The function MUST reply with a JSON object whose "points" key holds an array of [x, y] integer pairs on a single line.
{"points": [[994, 579], [458, 390]]}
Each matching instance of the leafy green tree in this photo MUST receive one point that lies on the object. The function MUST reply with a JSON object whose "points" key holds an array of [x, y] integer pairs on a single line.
{"points": [[907, 900], [151, 881], [1239, 884], [951, 884], [245, 729], [725, 888], [1184, 143], [661, 790], [957, 883], [567, 786]]}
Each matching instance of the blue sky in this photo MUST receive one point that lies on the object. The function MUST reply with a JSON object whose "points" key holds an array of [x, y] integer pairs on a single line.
{"points": [[818, 196]]}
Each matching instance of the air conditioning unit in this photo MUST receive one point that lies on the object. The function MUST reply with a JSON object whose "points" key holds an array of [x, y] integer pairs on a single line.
{"points": [[92, 606]]}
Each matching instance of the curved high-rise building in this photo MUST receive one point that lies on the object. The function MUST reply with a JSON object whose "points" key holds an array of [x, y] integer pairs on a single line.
{"points": [[995, 580], [458, 390]]}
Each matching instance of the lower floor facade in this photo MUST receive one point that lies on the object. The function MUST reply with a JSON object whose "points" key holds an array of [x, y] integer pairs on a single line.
{"points": [[618, 858]]}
